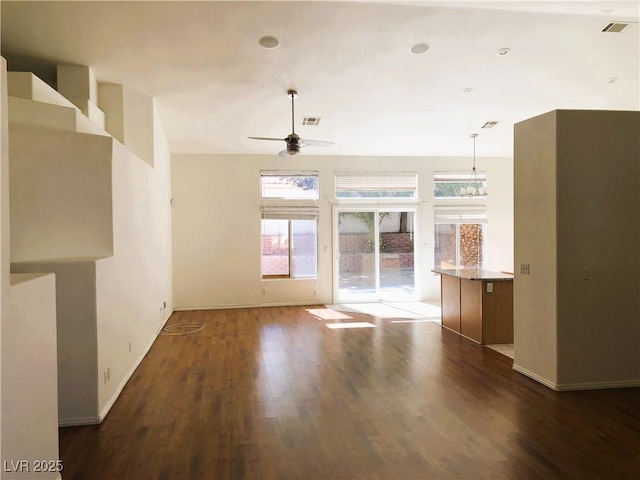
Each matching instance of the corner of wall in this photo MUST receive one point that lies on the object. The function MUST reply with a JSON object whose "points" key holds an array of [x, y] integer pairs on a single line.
{"points": [[535, 303], [4, 206], [129, 118]]}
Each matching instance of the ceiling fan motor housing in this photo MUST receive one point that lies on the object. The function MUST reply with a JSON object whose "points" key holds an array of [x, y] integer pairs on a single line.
{"points": [[293, 144], [293, 141]]}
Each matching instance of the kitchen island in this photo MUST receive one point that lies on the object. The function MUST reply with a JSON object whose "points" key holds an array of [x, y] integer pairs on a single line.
{"points": [[478, 304]]}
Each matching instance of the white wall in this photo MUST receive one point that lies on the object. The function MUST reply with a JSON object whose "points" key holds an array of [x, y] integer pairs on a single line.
{"points": [[134, 284], [130, 118], [534, 295], [4, 208], [577, 207], [598, 205], [75, 310], [60, 197], [103, 214], [29, 407], [216, 224]]}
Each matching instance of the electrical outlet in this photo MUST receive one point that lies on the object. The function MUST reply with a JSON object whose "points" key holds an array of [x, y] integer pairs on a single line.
{"points": [[129, 347], [264, 291], [586, 273], [489, 287]]}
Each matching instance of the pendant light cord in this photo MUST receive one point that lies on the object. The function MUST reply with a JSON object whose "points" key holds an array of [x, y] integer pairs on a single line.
{"points": [[473, 187]]}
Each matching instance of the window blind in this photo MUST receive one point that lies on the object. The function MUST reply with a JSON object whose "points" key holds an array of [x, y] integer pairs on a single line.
{"points": [[457, 176], [377, 181], [460, 214], [290, 213], [376, 185]]}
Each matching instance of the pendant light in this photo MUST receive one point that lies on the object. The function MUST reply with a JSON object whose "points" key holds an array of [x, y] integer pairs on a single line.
{"points": [[474, 187]]}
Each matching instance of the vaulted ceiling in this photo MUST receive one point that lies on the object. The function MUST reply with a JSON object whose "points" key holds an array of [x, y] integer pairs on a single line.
{"points": [[351, 63]]}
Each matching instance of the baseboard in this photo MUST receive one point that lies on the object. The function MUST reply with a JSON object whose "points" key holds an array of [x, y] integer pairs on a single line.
{"points": [[78, 421], [566, 387], [248, 305], [292, 304], [105, 410], [534, 376], [216, 307]]}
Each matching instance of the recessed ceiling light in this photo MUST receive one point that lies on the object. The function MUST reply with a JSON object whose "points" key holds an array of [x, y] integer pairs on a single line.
{"points": [[504, 51], [419, 48], [269, 42], [467, 90], [613, 79]]}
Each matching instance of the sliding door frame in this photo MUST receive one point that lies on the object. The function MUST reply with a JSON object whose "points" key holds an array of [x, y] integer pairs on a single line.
{"points": [[376, 209]]}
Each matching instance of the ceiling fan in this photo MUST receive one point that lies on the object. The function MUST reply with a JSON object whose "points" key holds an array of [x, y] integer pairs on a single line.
{"points": [[293, 141]]}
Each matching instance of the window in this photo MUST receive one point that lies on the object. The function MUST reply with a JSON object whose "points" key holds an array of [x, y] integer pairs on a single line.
{"points": [[289, 185], [390, 185], [289, 234], [459, 237], [289, 242], [448, 185]]}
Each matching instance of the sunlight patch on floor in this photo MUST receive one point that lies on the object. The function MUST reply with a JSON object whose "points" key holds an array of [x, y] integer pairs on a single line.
{"points": [[379, 310], [418, 320], [425, 310], [396, 310], [328, 314], [337, 326]]}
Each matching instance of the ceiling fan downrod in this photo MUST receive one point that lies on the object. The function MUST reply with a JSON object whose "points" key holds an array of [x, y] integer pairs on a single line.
{"points": [[293, 94]]}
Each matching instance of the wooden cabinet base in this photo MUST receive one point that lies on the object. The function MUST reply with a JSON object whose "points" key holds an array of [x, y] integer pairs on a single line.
{"points": [[497, 314], [469, 309], [450, 296]]}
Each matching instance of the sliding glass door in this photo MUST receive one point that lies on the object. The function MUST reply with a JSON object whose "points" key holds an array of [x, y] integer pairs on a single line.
{"points": [[375, 254]]}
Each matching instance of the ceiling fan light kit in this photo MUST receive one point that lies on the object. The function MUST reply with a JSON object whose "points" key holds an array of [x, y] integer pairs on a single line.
{"points": [[293, 141]]}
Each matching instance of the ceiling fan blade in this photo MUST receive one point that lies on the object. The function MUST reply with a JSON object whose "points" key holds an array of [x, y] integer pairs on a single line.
{"points": [[268, 138], [316, 143], [284, 154]]}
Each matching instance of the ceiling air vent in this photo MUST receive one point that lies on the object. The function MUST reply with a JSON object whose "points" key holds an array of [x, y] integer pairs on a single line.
{"points": [[615, 27], [311, 121], [490, 124]]}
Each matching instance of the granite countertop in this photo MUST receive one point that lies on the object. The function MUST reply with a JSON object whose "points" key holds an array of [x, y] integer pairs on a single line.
{"points": [[473, 274]]}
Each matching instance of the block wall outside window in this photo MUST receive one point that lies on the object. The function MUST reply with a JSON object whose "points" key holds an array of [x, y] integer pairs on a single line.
{"points": [[289, 248]]}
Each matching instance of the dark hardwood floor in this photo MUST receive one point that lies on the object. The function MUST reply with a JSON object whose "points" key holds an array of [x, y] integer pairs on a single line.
{"points": [[273, 393]]}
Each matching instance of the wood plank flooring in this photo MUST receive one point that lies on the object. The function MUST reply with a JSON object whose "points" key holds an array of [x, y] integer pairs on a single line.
{"points": [[273, 393]]}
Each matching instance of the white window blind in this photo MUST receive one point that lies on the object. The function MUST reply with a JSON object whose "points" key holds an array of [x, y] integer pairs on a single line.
{"points": [[382, 184], [456, 176], [460, 214], [290, 213]]}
